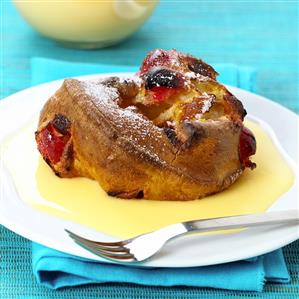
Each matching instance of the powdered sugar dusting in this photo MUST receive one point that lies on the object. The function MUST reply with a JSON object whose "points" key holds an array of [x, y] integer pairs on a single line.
{"points": [[134, 121], [138, 130], [188, 76], [143, 138], [132, 125], [136, 79], [101, 93], [192, 75], [206, 103]]}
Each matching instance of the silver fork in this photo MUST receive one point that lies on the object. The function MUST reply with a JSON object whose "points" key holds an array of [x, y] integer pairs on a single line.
{"points": [[144, 246]]}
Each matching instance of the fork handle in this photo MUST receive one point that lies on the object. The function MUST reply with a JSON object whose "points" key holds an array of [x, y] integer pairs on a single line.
{"points": [[242, 221]]}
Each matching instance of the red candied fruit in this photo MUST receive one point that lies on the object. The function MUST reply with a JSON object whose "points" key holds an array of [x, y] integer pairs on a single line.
{"points": [[160, 94], [51, 143], [158, 57], [247, 147]]}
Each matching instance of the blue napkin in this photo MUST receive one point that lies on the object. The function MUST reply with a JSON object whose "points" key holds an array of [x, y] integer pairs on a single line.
{"points": [[56, 270], [44, 70]]}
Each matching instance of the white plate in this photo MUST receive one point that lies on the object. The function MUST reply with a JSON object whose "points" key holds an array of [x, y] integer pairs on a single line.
{"points": [[48, 230]]}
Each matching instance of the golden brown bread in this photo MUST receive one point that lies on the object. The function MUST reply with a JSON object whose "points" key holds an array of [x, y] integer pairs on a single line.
{"points": [[135, 145]]}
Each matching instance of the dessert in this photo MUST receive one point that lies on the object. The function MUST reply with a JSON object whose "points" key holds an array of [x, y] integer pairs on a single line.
{"points": [[171, 132]]}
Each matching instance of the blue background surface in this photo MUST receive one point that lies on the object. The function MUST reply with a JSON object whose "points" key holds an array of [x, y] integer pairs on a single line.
{"points": [[262, 34]]}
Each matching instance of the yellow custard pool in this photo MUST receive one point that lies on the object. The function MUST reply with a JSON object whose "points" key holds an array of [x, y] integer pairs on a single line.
{"points": [[83, 201]]}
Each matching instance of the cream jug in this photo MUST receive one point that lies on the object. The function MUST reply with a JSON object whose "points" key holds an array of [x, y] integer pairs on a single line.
{"points": [[86, 23]]}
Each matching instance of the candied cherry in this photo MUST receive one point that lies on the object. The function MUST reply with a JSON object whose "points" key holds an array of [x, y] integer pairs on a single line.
{"points": [[161, 94], [247, 147], [159, 57], [163, 83], [52, 139]]}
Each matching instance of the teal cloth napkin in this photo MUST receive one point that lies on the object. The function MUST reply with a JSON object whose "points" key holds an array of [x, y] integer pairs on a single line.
{"points": [[44, 70], [56, 270]]}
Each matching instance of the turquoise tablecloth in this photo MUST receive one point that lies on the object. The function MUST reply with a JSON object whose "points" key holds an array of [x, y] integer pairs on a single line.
{"points": [[262, 34]]}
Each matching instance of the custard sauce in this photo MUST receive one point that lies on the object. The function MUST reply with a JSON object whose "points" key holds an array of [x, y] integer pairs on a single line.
{"points": [[83, 201]]}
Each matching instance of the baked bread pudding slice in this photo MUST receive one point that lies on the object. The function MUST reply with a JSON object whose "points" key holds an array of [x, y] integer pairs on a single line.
{"points": [[171, 132]]}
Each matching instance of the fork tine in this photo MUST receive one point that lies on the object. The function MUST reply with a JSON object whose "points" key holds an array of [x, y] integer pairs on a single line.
{"points": [[105, 244], [117, 258], [111, 249], [118, 249], [111, 244], [130, 258], [109, 252], [123, 253]]}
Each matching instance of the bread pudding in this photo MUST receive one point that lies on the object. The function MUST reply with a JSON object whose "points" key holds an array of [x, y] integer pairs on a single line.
{"points": [[170, 132]]}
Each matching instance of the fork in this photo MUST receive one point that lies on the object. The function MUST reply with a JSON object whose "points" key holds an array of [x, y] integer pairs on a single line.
{"points": [[142, 247]]}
